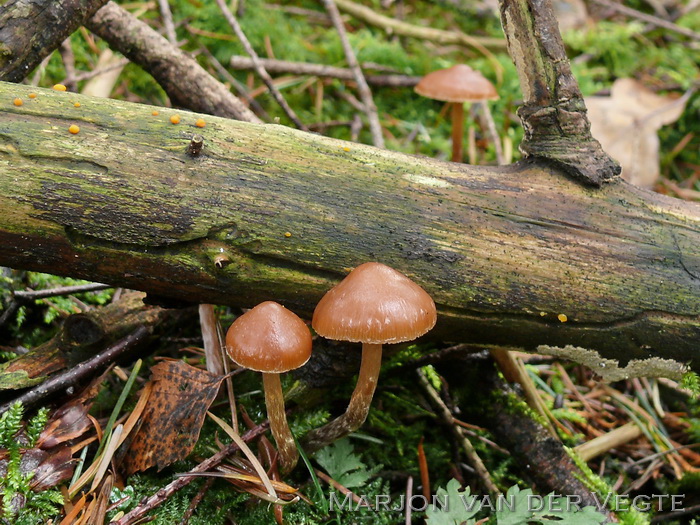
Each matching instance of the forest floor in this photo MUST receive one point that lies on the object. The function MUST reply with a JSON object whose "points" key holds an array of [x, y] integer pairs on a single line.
{"points": [[100, 446]]}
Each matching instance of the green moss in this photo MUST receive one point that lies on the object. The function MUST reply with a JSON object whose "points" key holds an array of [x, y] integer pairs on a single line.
{"points": [[513, 404], [596, 484], [691, 382]]}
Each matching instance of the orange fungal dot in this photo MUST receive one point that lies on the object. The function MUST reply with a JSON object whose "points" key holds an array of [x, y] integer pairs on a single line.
{"points": [[175, 119], [563, 318], [287, 234], [60, 87], [18, 102], [77, 104], [154, 113], [32, 95], [345, 148], [74, 129], [200, 123]]}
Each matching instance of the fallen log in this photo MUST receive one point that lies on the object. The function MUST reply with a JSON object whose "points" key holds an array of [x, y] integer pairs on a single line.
{"points": [[519, 256]]}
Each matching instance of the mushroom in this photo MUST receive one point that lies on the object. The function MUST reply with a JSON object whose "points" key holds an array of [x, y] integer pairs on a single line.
{"points": [[272, 340], [457, 85], [374, 305]]}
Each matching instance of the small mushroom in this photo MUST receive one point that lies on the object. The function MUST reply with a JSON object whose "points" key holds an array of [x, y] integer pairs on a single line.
{"points": [[374, 305], [272, 340], [457, 85]]}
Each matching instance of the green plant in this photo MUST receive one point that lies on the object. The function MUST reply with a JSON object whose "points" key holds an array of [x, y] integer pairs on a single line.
{"points": [[21, 505], [343, 465], [516, 507], [691, 381]]}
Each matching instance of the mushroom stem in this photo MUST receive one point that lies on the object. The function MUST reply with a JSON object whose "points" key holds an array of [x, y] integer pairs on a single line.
{"points": [[457, 130], [358, 408], [274, 400]]}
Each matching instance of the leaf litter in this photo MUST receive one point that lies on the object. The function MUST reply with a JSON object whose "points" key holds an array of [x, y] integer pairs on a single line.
{"points": [[173, 416]]}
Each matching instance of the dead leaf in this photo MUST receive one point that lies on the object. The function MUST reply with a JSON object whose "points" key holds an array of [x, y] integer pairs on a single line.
{"points": [[55, 467], [570, 14], [626, 124], [71, 420], [173, 416], [50, 468]]}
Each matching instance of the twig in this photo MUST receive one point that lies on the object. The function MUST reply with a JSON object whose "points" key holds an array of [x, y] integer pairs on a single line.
{"points": [[355, 128], [321, 70], [651, 19], [426, 33], [80, 371], [409, 495], [68, 58], [31, 295], [440, 36], [21, 297], [365, 94], [674, 515], [31, 31], [340, 488], [613, 439], [196, 501], [259, 68], [320, 127], [148, 504], [311, 14], [514, 371], [241, 88], [99, 71], [167, 17], [491, 130], [447, 417]]}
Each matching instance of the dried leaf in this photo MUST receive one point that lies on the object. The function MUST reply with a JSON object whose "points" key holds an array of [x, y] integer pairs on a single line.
{"points": [[71, 420], [68, 422], [626, 124], [56, 467], [50, 468], [173, 416], [570, 14]]}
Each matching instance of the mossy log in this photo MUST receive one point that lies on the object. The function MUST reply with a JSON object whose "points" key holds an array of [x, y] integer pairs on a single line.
{"points": [[267, 212]]}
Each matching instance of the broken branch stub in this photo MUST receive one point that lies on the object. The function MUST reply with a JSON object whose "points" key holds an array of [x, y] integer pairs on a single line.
{"points": [[553, 114]]}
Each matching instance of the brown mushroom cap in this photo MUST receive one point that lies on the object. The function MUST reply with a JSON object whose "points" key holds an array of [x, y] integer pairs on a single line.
{"points": [[375, 304], [458, 83], [269, 338]]}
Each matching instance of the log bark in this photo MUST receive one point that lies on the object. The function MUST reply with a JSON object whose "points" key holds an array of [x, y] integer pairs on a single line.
{"points": [[31, 29], [266, 212]]}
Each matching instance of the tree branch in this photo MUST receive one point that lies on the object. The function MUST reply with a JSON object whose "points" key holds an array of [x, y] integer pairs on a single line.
{"points": [[502, 250], [257, 65], [80, 371], [553, 114], [321, 70], [365, 93], [183, 79], [32, 30]]}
